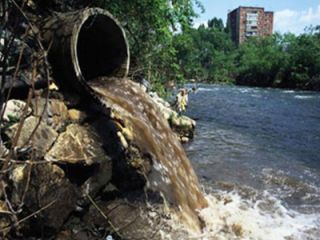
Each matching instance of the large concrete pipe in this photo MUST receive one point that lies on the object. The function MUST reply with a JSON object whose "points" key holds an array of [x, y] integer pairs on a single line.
{"points": [[84, 45]]}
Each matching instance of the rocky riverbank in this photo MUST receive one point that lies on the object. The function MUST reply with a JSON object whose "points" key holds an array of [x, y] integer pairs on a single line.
{"points": [[98, 156], [74, 174]]}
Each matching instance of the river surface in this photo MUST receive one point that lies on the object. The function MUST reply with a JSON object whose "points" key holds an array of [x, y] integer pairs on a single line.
{"points": [[257, 153]]}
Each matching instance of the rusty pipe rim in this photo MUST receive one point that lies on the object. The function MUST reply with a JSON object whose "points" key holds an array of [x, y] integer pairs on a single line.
{"points": [[85, 15]]}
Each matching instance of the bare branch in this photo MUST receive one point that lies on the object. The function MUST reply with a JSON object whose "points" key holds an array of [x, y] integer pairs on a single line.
{"points": [[28, 217]]}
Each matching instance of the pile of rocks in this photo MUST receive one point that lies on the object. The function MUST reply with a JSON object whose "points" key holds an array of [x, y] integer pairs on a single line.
{"points": [[182, 125], [69, 167]]}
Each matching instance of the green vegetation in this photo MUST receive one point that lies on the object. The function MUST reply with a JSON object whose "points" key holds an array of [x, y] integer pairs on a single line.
{"points": [[207, 54], [150, 25], [164, 47], [281, 61]]}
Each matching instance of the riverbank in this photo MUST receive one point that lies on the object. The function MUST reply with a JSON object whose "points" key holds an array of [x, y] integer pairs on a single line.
{"points": [[69, 160]]}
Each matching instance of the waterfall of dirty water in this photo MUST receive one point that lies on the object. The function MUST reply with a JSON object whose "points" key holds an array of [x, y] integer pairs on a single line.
{"points": [[172, 174]]}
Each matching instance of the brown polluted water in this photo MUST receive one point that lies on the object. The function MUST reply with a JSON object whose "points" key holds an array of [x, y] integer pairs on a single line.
{"points": [[171, 172]]}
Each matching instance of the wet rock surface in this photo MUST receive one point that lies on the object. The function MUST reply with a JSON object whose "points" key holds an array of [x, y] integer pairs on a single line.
{"points": [[132, 220], [183, 125]]}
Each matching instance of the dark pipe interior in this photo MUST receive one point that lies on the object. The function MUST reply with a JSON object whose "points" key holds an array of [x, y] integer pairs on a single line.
{"points": [[101, 47]]}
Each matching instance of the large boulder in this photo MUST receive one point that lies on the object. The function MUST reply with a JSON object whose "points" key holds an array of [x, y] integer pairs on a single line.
{"points": [[81, 148], [183, 125], [53, 111], [41, 140], [125, 219], [77, 145], [18, 176], [133, 220], [47, 189]]}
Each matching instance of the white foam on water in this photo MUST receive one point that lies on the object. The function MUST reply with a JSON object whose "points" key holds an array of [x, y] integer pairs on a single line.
{"points": [[256, 95], [230, 216], [288, 91], [303, 97], [207, 89], [245, 90]]}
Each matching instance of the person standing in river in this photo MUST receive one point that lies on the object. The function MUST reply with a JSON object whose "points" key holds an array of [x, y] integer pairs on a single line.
{"points": [[182, 101]]}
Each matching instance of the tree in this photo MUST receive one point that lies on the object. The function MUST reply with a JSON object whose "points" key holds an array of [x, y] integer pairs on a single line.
{"points": [[206, 53], [151, 25], [303, 70], [259, 61], [216, 23]]}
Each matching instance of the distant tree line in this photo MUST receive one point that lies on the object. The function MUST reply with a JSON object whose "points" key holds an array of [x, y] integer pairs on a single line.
{"points": [[207, 54], [165, 47]]}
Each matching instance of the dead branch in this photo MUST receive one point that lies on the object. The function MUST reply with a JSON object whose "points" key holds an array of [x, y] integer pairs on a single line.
{"points": [[103, 215], [45, 65], [27, 217], [25, 162], [18, 132]]}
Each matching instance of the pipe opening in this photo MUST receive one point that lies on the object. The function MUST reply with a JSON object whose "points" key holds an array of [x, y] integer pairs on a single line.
{"points": [[101, 47]]}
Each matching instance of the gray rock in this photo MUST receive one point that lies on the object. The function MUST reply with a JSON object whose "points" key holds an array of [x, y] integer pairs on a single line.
{"points": [[3, 149], [77, 145], [5, 219], [19, 178], [42, 139], [55, 112], [48, 188], [182, 125], [14, 110], [76, 116], [184, 139], [81, 145], [132, 220], [159, 100]]}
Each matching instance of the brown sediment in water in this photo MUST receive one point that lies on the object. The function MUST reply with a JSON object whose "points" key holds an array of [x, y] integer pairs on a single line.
{"points": [[172, 173]]}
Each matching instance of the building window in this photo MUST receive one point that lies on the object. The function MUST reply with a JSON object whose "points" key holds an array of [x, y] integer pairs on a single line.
{"points": [[251, 34]]}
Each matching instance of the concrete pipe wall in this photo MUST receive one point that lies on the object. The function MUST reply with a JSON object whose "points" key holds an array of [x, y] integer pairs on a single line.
{"points": [[84, 45]]}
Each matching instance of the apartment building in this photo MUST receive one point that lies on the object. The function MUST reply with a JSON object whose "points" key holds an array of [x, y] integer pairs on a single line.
{"points": [[245, 22]]}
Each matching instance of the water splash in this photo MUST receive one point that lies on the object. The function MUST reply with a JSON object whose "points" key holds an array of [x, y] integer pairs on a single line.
{"points": [[172, 174], [231, 215], [304, 97]]}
